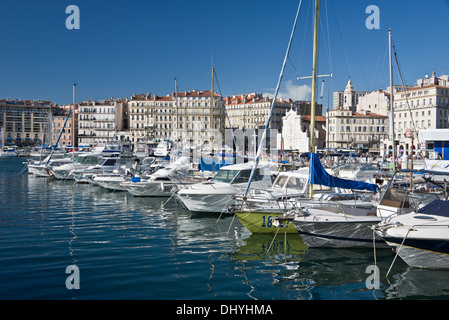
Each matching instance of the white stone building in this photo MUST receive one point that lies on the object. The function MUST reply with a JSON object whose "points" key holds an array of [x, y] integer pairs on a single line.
{"points": [[296, 132], [424, 106], [98, 121], [185, 116]]}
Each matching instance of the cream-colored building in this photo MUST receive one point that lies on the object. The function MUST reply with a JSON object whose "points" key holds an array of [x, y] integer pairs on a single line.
{"points": [[424, 106], [68, 134], [347, 99], [349, 129], [99, 121], [25, 122], [251, 111], [360, 121], [182, 116]]}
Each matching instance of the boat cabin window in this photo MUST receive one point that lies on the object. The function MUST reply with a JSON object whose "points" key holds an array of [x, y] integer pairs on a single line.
{"points": [[236, 176], [225, 176], [108, 162], [296, 183], [86, 160], [244, 175], [280, 181]]}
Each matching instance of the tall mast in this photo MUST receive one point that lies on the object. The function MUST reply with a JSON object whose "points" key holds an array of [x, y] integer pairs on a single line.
{"points": [[314, 76], [212, 112], [73, 121], [391, 101], [177, 111]]}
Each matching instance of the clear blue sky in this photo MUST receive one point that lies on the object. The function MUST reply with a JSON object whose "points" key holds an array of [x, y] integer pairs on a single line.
{"points": [[126, 47]]}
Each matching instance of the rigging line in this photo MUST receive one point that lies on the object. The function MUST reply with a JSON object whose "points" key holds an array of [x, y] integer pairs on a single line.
{"points": [[356, 51], [405, 92], [262, 140], [325, 44], [328, 38], [382, 56], [304, 37], [342, 42], [226, 112]]}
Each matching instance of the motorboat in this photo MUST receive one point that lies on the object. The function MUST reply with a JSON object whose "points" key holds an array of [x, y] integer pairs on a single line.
{"points": [[161, 182], [8, 151], [421, 237], [111, 180], [81, 161], [105, 164], [217, 194], [358, 171], [43, 168], [163, 149]]}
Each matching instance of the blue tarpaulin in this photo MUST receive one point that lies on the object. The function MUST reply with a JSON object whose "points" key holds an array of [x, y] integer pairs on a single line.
{"points": [[319, 176]]}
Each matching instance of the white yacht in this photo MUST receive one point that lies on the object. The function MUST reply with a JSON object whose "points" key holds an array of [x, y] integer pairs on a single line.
{"points": [[105, 164], [111, 180], [43, 168], [161, 182], [8, 151], [81, 161], [421, 237], [216, 195]]}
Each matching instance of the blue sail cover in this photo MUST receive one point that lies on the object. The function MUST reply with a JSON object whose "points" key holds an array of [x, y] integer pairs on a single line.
{"points": [[319, 176]]}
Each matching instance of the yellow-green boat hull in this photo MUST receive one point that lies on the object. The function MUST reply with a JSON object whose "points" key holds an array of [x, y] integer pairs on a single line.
{"points": [[264, 222]]}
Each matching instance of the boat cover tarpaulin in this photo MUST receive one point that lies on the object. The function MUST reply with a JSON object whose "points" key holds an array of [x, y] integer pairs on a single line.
{"points": [[213, 164], [318, 175], [436, 207]]}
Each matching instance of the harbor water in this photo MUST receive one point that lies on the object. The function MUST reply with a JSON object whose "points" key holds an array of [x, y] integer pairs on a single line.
{"points": [[126, 247]]}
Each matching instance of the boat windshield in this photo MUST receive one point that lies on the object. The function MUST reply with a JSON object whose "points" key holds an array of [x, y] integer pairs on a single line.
{"points": [[290, 182], [225, 176], [108, 162], [86, 160], [236, 176]]}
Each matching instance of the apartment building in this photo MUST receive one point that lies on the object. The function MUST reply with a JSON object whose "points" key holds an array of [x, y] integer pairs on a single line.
{"points": [[251, 111], [67, 134], [99, 121], [187, 116], [350, 129], [25, 122], [424, 106]]}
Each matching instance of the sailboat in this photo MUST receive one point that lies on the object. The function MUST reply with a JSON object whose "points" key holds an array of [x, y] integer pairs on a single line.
{"points": [[337, 228]]}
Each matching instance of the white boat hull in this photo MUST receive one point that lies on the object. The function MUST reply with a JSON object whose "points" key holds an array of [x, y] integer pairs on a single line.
{"points": [[206, 203], [420, 239], [113, 185], [149, 188], [38, 170]]}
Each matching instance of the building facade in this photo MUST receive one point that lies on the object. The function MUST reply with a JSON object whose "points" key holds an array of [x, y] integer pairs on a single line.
{"points": [[98, 121], [424, 106], [296, 132], [67, 135], [251, 111], [25, 122], [347, 99], [188, 116], [352, 130]]}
